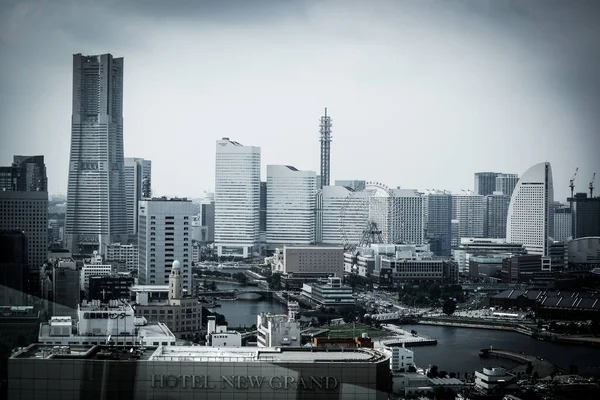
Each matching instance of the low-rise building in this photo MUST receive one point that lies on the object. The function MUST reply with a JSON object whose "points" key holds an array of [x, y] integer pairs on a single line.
{"points": [[99, 323], [306, 264], [328, 293], [111, 287], [95, 267], [401, 358], [495, 380], [126, 254], [273, 330], [219, 336], [182, 314]]}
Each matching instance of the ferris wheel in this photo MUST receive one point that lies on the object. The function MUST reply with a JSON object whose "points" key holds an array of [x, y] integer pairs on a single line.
{"points": [[365, 216]]}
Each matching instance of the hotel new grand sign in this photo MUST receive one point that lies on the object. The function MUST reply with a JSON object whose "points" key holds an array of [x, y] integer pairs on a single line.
{"points": [[242, 382]]}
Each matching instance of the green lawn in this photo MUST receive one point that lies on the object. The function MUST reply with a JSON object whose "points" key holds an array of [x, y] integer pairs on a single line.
{"points": [[347, 331]]}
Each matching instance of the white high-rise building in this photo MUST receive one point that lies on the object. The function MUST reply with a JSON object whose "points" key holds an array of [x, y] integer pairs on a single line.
{"points": [[237, 199], [291, 198], [407, 217], [137, 170], [164, 235], [470, 211], [530, 214], [333, 200]]}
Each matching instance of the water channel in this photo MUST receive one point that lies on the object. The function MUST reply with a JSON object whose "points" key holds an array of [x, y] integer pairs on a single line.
{"points": [[457, 349]]}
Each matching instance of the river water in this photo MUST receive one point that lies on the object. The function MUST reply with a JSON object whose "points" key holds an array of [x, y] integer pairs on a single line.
{"points": [[457, 349]]}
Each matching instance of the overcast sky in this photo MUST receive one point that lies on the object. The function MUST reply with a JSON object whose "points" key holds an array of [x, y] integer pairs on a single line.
{"points": [[422, 93]]}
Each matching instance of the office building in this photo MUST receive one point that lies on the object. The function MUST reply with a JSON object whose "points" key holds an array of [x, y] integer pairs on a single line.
{"points": [[328, 293], [337, 203], [484, 247], [125, 254], [586, 215], [96, 207], [438, 217], [485, 183], [263, 208], [94, 267], [190, 372], [26, 174], [14, 273], [496, 213], [237, 199], [110, 287], [138, 178], [305, 264], [505, 183], [66, 292], [164, 235], [28, 212], [470, 211], [180, 312], [219, 336], [291, 196], [277, 330], [325, 131], [563, 223], [530, 218], [100, 322], [406, 217]]}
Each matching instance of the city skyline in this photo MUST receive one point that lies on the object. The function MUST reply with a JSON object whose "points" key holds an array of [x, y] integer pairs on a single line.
{"points": [[545, 102]]}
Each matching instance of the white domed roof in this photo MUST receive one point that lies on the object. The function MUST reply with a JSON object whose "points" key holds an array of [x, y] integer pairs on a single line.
{"points": [[176, 265]]}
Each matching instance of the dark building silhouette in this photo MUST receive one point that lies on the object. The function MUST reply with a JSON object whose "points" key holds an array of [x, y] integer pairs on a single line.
{"points": [[26, 174], [14, 272], [208, 220], [485, 183], [105, 288], [586, 215], [263, 207]]}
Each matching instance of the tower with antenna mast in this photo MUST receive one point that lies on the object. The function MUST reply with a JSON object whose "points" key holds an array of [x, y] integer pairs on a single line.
{"points": [[325, 130]]}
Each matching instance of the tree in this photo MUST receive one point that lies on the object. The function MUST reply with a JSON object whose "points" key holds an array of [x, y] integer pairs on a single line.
{"points": [[435, 292], [433, 372], [536, 376], [449, 307]]}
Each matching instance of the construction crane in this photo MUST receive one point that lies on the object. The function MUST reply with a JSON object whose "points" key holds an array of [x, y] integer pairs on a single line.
{"points": [[592, 185], [572, 181]]}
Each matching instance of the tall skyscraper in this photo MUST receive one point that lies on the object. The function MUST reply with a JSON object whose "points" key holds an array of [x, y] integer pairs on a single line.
{"points": [[263, 207], [237, 199], [562, 222], [24, 207], [96, 208], [164, 235], [469, 209], [530, 220], [325, 130], [485, 183], [334, 200], [496, 213], [586, 215], [291, 197], [406, 216], [438, 221], [506, 183], [138, 172]]}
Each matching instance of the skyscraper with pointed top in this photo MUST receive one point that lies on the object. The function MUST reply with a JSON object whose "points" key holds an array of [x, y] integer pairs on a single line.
{"points": [[96, 212], [325, 149]]}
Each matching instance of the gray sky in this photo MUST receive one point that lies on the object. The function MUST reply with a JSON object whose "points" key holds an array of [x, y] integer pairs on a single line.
{"points": [[422, 93]]}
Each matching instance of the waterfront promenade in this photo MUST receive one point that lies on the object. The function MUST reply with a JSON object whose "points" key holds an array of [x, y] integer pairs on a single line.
{"points": [[543, 367], [403, 337]]}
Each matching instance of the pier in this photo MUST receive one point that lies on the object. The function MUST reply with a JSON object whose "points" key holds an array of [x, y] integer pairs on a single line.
{"points": [[403, 337]]}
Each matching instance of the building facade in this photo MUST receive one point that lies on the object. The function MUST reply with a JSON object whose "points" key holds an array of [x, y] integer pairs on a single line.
{"points": [[438, 221], [506, 183], [66, 292], [14, 272], [110, 287], [96, 206], [28, 212], [95, 267], [586, 215], [277, 330], [138, 175], [237, 199], [26, 174], [563, 223], [530, 218], [485, 183], [164, 235], [406, 217], [496, 213], [470, 211], [126, 254], [312, 259], [291, 197], [328, 293], [337, 204]]}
